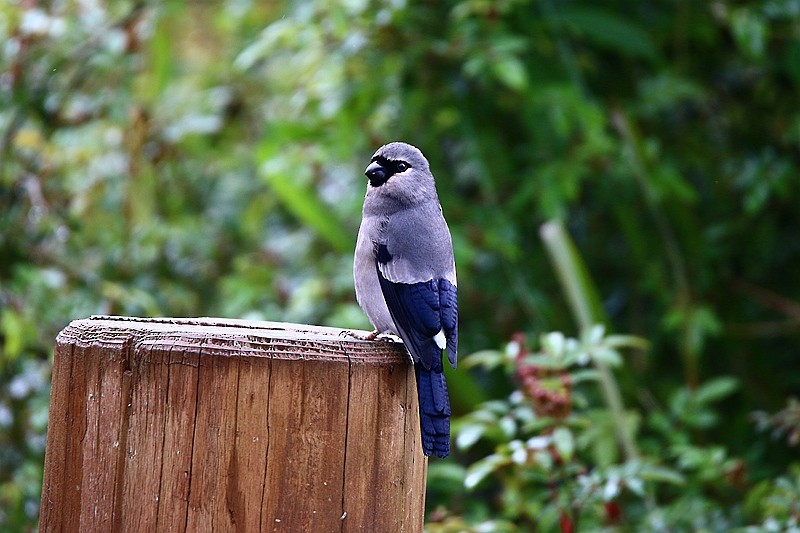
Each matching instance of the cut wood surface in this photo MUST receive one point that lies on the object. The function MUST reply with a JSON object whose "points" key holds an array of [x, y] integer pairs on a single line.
{"points": [[230, 425]]}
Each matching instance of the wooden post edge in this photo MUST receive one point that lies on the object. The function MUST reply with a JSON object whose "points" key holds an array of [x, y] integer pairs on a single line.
{"points": [[172, 424]]}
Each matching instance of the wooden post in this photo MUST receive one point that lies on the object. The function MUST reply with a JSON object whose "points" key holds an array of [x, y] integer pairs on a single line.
{"points": [[230, 425]]}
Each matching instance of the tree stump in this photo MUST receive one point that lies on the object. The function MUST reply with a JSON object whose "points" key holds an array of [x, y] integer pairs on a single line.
{"points": [[230, 425]]}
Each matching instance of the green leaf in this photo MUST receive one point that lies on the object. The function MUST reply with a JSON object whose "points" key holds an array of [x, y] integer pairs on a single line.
{"points": [[661, 474], [447, 471], [607, 356], [511, 72], [11, 326], [508, 426], [716, 389], [553, 343], [480, 469], [564, 442], [626, 341], [571, 269], [750, 30], [579, 376], [303, 202], [594, 334], [488, 359], [612, 31], [469, 434], [160, 72]]}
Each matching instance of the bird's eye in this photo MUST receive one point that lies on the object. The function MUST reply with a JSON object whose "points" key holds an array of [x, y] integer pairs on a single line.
{"points": [[402, 166]]}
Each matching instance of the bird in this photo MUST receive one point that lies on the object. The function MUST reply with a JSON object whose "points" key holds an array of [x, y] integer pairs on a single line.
{"points": [[405, 277]]}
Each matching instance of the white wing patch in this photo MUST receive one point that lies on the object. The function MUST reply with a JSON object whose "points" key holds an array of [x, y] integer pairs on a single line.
{"points": [[440, 340], [400, 270]]}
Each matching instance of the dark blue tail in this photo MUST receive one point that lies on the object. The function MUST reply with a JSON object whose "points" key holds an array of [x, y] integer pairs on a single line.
{"points": [[434, 411]]}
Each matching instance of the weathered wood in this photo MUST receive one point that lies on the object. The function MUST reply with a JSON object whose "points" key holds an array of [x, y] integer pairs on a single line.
{"points": [[229, 425]]}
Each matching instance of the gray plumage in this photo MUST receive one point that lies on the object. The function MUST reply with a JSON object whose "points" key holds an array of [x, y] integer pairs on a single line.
{"points": [[405, 276]]}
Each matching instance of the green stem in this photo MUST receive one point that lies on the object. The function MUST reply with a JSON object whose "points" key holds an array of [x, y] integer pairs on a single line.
{"points": [[582, 296]]}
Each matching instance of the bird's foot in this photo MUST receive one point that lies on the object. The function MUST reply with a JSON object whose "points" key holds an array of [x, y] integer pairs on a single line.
{"points": [[375, 335], [359, 336]]}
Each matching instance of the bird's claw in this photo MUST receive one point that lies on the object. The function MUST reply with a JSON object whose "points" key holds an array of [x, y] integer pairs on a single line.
{"points": [[373, 336], [358, 336]]}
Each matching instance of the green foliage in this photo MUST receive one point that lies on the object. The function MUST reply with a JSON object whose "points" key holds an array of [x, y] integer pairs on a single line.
{"points": [[206, 159], [555, 464], [775, 504]]}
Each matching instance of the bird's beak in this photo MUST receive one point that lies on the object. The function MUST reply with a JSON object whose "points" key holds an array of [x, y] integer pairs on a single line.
{"points": [[376, 173]]}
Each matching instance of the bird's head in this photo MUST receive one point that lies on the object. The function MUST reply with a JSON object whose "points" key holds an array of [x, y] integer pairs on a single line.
{"points": [[398, 170]]}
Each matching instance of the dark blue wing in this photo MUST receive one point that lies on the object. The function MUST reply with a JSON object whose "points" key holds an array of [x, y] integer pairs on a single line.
{"points": [[420, 311], [415, 310]]}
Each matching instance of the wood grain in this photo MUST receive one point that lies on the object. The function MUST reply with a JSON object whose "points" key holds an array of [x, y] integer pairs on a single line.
{"points": [[230, 425]]}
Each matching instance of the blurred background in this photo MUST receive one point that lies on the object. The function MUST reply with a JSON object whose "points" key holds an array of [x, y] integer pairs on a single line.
{"points": [[620, 178]]}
